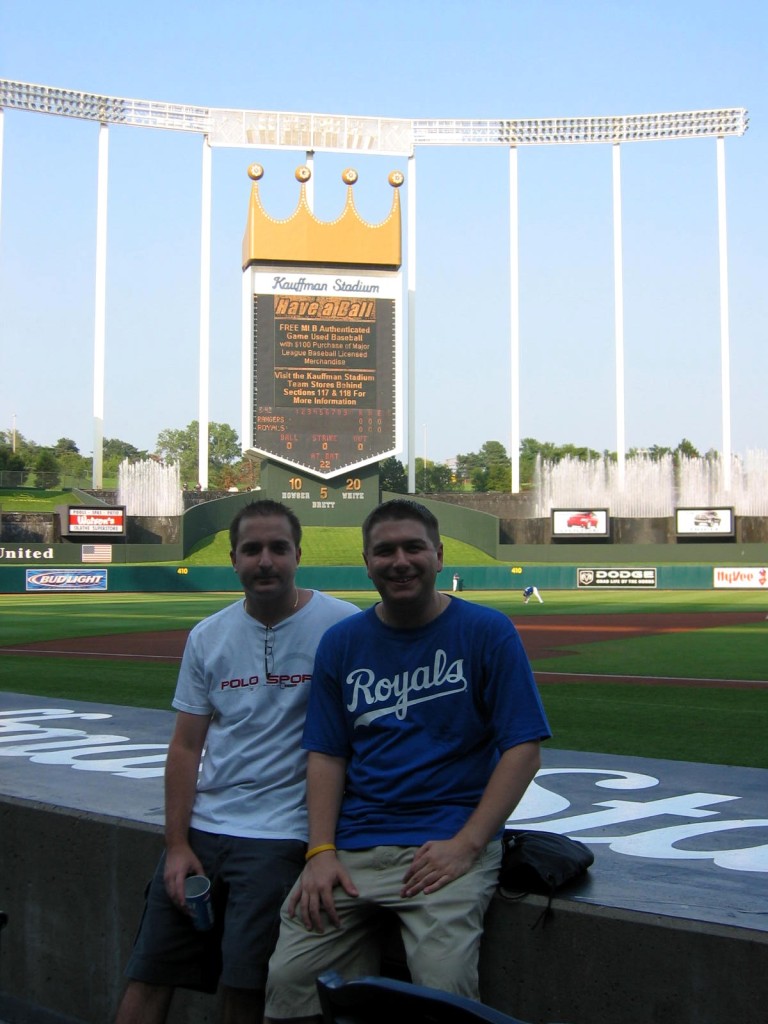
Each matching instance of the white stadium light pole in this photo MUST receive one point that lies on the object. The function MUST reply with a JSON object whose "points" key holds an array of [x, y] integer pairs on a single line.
{"points": [[514, 317], [339, 133], [2, 115], [618, 316], [725, 344], [100, 308], [411, 384], [205, 318]]}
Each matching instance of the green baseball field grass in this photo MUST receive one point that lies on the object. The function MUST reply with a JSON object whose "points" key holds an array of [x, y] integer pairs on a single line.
{"points": [[718, 721], [332, 545]]}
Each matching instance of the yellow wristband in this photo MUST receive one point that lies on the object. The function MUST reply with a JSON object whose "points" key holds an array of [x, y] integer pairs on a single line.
{"points": [[318, 849]]}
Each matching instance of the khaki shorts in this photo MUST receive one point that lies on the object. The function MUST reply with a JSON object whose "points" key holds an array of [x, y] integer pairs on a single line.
{"points": [[441, 932]]}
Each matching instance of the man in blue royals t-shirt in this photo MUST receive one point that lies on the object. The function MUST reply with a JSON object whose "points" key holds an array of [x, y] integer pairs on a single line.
{"points": [[423, 732]]}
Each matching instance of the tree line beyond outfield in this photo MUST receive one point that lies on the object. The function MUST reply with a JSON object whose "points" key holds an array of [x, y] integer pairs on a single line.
{"points": [[24, 462]]}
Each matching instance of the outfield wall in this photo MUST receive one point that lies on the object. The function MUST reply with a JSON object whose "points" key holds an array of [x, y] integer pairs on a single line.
{"points": [[172, 579], [637, 541], [552, 565]]}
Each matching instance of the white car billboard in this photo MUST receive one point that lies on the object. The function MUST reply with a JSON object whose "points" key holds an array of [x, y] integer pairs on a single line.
{"points": [[580, 522], [704, 522]]}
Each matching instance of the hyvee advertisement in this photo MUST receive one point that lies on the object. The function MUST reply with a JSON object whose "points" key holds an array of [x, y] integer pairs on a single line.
{"points": [[743, 577]]}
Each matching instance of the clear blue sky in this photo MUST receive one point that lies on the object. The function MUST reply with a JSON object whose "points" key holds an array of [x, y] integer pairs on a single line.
{"points": [[422, 58]]}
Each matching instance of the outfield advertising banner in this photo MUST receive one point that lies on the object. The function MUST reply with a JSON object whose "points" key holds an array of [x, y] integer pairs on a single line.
{"points": [[574, 522], [742, 577], [611, 578], [29, 553], [96, 520], [68, 580], [704, 522]]}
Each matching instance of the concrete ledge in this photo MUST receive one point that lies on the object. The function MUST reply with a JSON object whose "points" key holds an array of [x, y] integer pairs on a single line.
{"points": [[603, 965], [72, 883]]}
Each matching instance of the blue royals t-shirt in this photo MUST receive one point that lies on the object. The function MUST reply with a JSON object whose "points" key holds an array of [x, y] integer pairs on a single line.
{"points": [[421, 716]]}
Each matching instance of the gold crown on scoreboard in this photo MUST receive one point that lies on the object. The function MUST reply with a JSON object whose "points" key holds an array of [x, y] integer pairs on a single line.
{"points": [[302, 238]]}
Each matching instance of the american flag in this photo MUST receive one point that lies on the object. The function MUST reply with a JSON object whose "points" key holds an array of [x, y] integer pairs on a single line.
{"points": [[96, 552]]}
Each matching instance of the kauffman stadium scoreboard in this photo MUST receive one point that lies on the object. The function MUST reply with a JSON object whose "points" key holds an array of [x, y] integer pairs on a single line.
{"points": [[323, 365], [322, 345]]}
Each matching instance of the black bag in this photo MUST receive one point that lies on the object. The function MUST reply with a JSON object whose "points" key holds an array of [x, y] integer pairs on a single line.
{"points": [[541, 862]]}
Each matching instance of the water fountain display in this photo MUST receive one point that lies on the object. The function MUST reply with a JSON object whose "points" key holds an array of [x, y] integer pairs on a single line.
{"points": [[701, 483], [653, 487], [150, 488]]}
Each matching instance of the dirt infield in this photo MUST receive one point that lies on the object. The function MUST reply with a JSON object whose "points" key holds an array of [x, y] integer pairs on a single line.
{"points": [[547, 637], [165, 646], [558, 635], [553, 635]]}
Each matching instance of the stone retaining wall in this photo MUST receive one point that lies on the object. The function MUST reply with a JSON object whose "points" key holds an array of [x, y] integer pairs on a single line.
{"points": [[37, 527], [515, 512]]}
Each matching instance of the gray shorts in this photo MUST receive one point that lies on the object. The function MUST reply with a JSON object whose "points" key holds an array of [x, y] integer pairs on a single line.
{"points": [[441, 932], [250, 879]]}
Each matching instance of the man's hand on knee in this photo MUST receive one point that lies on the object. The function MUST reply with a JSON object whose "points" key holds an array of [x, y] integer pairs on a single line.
{"points": [[313, 893], [435, 864]]}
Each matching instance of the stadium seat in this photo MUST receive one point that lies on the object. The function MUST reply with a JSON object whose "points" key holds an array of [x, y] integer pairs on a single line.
{"points": [[372, 1000]]}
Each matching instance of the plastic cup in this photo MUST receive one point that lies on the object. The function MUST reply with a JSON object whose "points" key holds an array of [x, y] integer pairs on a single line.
{"points": [[197, 895]]}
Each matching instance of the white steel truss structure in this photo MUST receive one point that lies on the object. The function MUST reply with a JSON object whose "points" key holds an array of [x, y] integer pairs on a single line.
{"points": [[338, 133], [271, 129]]}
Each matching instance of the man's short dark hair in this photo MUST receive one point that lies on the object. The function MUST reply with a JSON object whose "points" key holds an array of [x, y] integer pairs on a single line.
{"points": [[264, 507], [401, 508]]}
